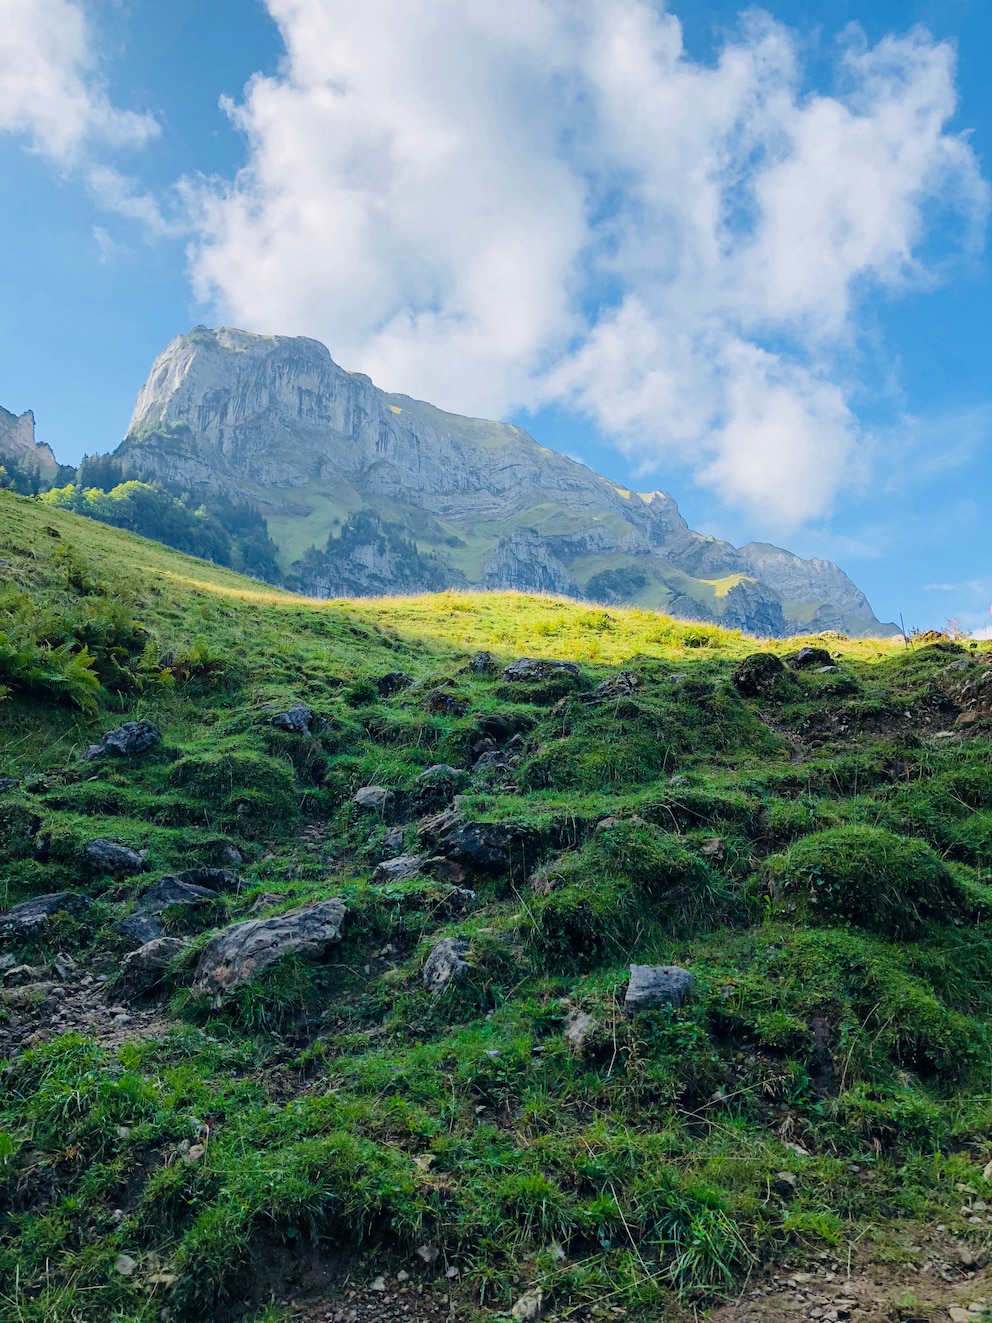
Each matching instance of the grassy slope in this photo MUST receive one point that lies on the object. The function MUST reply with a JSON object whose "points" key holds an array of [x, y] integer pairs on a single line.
{"points": [[353, 1107]]}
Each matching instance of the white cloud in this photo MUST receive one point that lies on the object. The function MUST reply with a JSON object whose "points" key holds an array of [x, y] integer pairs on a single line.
{"points": [[548, 201], [50, 91]]}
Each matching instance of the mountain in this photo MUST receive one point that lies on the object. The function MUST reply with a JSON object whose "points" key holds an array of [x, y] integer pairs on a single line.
{"points": [[17, 444], [365, 492]]}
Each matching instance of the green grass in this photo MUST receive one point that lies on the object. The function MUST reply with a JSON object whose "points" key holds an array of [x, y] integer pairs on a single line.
{"points": [[817, 858]]}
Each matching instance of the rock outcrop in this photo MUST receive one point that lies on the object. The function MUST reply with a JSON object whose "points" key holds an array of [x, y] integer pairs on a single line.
{"points": [[242, 951], [419, 500], [17, 443]]}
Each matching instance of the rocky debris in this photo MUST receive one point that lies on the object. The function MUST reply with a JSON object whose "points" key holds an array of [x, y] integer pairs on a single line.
{"points": [[437, 825], [438, 785], [490, 846], [139, 928], [534, 670], [446, 963], [784, 1184], [493, 762], [715, 848], [298, 720], [112, 857], [481, 663], [578, 1026], [393, 682], [373, 798], [529, 1306], [143, 969], [171, 891], [447, 870], [621, 685], [266, 900], [240, 952], [217, 879], [759, 675], [400, 869], [652, 986], [807, 658], [31, 916], [128, 741], [446, 704]]}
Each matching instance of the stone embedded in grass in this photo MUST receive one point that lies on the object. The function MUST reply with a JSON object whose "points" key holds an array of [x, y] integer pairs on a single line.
{"points": [[446, 704], [143, 969], [218, 879], [482, 663], [532, 670], [400, 869], [653, 986], [806, 658], [491, 846], [112, 857], [393, 682], [239, 953], [438, 786], [171, 891], [139, 928], [759, 675], [373, 798], [31, 916], [298, 720], [128, 741], [446, 963], [621, 685]]}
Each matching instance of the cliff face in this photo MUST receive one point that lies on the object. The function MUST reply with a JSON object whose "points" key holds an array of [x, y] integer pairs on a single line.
{"points": [[274, 419], [17, 442]]}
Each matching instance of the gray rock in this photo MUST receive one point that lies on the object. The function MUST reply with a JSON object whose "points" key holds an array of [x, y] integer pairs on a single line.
{"points": [[28, 918], [438, 786], [297, 721], [806, 658], [621, 685], [536, 669], [239, 953], [217, 879], [128, 741], [139, 928], [373, 798], [393, 682], [652, 986], [143, 969], [759, 676], [114, 858], [401, 868], [482, 663], [171, 891], [445, 964]]}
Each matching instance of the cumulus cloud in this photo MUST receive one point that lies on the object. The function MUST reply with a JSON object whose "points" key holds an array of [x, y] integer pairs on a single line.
{"points": [[49, 88], [502, 207]]}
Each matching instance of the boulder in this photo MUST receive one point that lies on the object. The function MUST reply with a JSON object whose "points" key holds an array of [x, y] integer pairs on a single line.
{"points": [[438, 786], [393, 682], [445, 964], [490, 846], [217, 879], [112, 857], [806, 658], [298, 720], [401, 868], [171, 891], [482, 663], [128, 741], [446, 704], [28, 918], [758, 675], [239, 953], [532, 670], [621, 685], [437, 825], [373, 798], [652, 986], [142, 970], [139, 928]]}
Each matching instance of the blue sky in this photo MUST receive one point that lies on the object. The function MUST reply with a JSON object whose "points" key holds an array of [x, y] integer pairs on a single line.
{"points": [[742, 259]]}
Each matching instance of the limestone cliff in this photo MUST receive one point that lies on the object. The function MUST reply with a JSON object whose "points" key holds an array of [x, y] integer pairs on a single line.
{"points": [[17, 443], [328, 456]]}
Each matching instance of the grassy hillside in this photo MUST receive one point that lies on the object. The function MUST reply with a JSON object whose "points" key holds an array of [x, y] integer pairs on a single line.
{"points": [[813, 844]]}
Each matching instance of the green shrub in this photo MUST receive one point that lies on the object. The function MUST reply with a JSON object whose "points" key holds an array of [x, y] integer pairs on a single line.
{"points": [[868, 876]]}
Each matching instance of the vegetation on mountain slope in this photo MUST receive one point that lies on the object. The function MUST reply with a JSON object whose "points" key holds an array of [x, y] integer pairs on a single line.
{"points": [[811, 836]]}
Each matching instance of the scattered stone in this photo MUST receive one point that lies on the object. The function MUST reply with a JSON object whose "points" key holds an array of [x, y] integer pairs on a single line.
{"points": [[265, 900], [194, 1153], [428, 1254], [529, 1306], [30, 916], [652, 986], [298, 720], [482, 663], [393, 682], [128, 741], [400, 869], [139, 928], [784, 1185], [806, 658], [445, 703], [240, 952], [487, 845], [374, 798], [578, 1026], [535, 669], [966, 719], [379, 1284], [171, 891], [621, 685], [125, 1265], [142, 970], [447, 870], [714, 848], [216, 879], [759, 675], [958, 1315], [438, 785], [230, 854], [438, 825], [445, 963], [114, 858]]}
